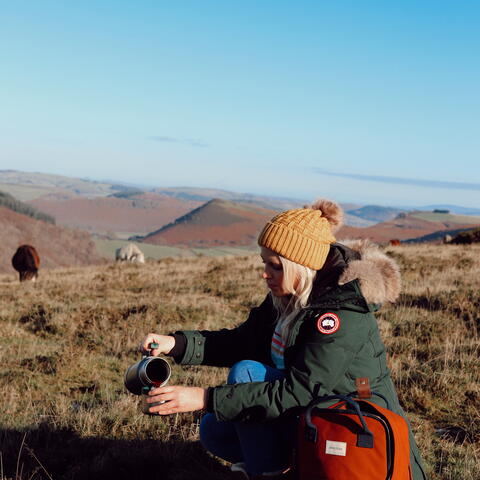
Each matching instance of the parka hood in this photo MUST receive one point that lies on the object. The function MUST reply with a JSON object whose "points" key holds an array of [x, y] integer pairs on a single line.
{"points": [[378, 275]]}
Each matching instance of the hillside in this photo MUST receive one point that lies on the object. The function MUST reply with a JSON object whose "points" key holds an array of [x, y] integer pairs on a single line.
{"points": [[57, 246], [453, 209], [375, 213], [206, 194], [217, 222], [448, 219], [8, 201], [60, 196], [120, 211], [138, 214], [66, 344], [27, 186], [404, 226], [438, 236]]}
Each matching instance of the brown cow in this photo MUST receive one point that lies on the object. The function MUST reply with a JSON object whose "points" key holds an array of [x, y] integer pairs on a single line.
{"points": [[395, 242], [26, 262]]}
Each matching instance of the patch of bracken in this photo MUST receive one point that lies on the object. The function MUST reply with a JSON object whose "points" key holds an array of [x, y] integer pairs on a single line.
{"points": [[464, 305], [41, 363], [456, 434], [135, 310], [38, 321], [86, 388], [427, 302]]}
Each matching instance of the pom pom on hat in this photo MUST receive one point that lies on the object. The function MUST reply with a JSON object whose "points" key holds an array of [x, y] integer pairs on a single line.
{"points": [[331, 211], [303, 235]]}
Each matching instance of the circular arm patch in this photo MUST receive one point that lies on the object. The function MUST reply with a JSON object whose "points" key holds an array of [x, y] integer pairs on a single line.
{"points": [[328, 323]]}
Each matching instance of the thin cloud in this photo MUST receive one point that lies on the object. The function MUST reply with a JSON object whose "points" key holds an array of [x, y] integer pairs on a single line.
{"points": [[403, 181], [191, 142]]}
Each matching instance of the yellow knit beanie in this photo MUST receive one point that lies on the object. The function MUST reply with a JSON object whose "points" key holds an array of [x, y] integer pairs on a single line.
{"points": [[303, 235]]}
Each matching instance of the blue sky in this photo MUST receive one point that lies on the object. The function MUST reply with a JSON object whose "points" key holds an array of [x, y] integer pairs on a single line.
{"points": [[366, 102]]}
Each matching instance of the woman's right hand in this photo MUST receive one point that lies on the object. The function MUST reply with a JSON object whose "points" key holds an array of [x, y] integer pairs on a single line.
{"points": [[165, 343]]}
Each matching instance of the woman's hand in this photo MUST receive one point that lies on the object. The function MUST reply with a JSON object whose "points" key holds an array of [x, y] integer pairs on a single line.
{"points": [[177, 399], [165, 344]]}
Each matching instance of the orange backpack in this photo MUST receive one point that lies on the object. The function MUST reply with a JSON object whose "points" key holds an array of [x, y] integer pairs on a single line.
{"points": [[354, 439]]}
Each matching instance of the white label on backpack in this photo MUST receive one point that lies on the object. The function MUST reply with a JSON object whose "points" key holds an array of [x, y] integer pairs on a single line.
{"points": [[336, 448]]}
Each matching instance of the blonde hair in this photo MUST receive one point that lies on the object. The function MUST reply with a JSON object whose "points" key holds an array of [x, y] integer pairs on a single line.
{"points": [[303, 277]]}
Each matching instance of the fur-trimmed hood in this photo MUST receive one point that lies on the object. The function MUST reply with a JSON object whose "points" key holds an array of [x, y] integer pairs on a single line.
{"points": [[378, 275]]}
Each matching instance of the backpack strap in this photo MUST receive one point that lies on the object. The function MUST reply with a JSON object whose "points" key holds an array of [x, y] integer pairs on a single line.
{"points": [[364, 437]]}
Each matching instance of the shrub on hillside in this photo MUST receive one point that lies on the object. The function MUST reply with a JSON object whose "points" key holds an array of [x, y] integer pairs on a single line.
{"points": [[126, 192], [8, 201], [471, 236]]}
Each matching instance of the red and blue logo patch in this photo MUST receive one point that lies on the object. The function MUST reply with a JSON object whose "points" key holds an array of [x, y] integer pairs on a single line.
{"points": [[328, 323]]}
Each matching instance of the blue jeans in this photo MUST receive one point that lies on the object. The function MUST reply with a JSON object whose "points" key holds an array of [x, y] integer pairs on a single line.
{"points": [[264, 447]]}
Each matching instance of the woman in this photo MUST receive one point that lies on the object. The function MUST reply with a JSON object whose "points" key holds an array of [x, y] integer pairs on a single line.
{"points": [[313, 335]]}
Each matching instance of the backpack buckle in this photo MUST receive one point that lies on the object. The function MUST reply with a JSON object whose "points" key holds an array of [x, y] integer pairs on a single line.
{"points": [[363, 388]]}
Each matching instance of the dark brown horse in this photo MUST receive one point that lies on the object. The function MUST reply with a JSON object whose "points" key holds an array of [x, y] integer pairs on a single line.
{"points": [[26, 262]]}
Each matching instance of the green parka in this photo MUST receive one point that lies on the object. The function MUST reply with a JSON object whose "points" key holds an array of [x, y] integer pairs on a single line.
{"points": [[352, 284]]}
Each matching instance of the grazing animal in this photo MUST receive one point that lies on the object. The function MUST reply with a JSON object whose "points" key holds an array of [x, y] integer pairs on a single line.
{"points": [[395, 242], [129, 253], [26, 262], [447, 238]]}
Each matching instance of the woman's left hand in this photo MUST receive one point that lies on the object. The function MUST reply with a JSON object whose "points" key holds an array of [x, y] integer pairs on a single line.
{"points": [[177, 399]]}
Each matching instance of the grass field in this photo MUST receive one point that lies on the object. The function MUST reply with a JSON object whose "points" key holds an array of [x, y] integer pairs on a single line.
{"points": [[107, 249], [24, 193], [447, 218], [66, 342]]}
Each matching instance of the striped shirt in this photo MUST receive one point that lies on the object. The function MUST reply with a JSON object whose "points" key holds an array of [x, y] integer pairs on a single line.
{"points": [[278, 347]]}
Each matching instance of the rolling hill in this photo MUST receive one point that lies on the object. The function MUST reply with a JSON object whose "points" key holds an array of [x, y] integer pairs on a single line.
{"points": [[217, 222], [448, 219], [46, 191], [57, 246], [27, 186], [206, 194], [375, 213], [136, 214], [119, 211], [405, 226]]}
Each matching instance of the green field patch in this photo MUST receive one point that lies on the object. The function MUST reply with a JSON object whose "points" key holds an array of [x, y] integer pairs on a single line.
{"points": [[447, 218], [107, 249]]}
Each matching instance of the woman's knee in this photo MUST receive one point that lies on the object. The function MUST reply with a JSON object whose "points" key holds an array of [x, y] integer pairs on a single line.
{"points": [[246, 371]]}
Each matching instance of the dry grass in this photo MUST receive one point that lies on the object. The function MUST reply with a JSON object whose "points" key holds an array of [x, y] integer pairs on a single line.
{"points": [[67, 341]]}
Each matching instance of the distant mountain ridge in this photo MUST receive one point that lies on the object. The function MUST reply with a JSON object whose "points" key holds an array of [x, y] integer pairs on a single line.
{"points": [[160, 214], [91, 205], [28, 185], [36, 184], [206, 194], [453, 209], [376, 213]]}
